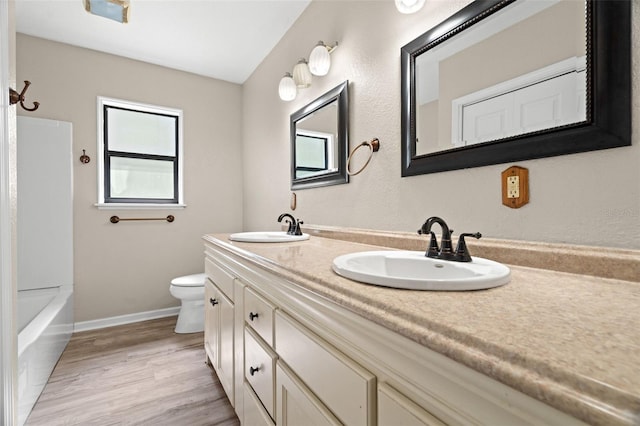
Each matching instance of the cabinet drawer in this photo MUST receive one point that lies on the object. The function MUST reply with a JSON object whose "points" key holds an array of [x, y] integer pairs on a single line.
{"points": [[258, 313], [220, 277], [259, 369], [395, 409], [346, 388], [254, 413]]}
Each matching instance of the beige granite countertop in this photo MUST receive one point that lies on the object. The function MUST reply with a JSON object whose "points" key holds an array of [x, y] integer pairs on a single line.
{"points": [[569, 340]]}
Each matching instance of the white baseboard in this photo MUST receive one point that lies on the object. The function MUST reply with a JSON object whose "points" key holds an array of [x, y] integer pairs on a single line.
{"points": [[125, 319]]}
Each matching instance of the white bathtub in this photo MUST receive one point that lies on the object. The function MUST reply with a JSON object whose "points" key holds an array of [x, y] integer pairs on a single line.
{"points": [[45, 324]]}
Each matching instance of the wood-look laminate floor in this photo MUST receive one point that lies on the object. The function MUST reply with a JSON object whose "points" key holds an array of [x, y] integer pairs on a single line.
{"points": [[135, 374]]}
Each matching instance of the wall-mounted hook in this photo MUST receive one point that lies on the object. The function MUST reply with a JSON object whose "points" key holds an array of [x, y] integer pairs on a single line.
{"points": [[84, 158], [15, 97]]}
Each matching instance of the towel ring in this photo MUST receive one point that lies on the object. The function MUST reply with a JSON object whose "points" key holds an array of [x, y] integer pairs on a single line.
{"points": [[374, 146]]}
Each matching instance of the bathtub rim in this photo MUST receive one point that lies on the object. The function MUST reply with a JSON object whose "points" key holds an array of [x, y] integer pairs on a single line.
{"points": [[30, 333]]}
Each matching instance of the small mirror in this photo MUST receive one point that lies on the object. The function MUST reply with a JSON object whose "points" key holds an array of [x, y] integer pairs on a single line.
{"points": [[510, 80], [320, 141]]}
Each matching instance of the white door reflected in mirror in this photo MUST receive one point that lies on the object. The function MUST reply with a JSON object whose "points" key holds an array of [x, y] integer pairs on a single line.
{"points": [[478, 86]]}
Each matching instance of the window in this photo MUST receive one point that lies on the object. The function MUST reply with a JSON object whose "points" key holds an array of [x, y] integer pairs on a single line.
{"points": [[313, 153], [140, 149]]}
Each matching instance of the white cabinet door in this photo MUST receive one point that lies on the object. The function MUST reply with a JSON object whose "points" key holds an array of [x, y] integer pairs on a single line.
{"points": [[253, 413], [396, 409], [218, 336], [238, 348], [211, 323], [225, 349], [342, 384], [296, 404]]}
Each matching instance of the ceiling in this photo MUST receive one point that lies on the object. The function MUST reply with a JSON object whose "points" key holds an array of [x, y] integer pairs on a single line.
{"points": [[223, 39]]}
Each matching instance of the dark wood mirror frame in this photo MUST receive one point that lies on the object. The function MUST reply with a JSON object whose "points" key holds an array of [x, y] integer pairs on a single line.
{"points": [[608, 123], [339, 94]]}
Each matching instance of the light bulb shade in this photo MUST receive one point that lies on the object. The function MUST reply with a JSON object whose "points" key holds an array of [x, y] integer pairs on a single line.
{"points": [[319, 60], [302, 75], [287, 88], [409, 6]]}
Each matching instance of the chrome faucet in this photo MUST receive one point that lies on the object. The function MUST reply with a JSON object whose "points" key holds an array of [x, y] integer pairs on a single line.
{"points": [[461, 253], [294, 224]]}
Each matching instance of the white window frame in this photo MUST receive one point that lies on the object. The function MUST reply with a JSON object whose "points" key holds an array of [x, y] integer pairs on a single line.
{"points": [[328, 138], [137, 106]]}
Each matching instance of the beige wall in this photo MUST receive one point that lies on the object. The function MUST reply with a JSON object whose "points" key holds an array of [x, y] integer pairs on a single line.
{"points": [[126, 268], [591, 198], [237, 157]]}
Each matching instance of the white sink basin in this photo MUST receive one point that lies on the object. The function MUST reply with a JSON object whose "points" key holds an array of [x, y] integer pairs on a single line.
{"points": [[267, 237], [413, 270]]}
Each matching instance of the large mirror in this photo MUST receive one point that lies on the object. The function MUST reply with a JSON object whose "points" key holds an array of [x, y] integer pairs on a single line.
{"points": [[509, 80], [320, 140]]}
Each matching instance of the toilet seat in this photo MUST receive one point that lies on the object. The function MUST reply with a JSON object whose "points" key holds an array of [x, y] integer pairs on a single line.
{"points": [[194, 280]]}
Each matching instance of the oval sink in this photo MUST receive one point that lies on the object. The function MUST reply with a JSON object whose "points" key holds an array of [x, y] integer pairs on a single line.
{"points": [[413, 270], [267, 237]]}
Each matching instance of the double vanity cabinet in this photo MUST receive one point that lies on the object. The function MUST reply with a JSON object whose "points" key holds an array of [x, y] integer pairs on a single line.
{"points": [[241, 329], [287, 354]]}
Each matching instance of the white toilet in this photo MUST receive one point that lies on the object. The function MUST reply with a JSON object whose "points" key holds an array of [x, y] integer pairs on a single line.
{"points": [[190, 290]]}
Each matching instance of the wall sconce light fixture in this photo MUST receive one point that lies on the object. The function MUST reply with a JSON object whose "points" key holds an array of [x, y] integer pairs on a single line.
{"points": [[117, 10], [318, 65], [302, 74], [287, 88], [320, 58], [409, 6]]}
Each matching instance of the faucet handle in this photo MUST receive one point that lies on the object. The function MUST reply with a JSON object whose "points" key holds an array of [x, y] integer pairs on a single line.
{"points": [[296, 227], [462, 253], [433, 249]]}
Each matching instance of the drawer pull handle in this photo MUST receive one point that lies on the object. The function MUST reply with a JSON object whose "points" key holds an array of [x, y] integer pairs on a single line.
{"points": [[213, 301], [252, 316], [253, 370]]}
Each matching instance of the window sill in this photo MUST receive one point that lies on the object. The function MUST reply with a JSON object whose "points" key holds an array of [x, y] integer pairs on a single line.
{"points": [[135, 206]]}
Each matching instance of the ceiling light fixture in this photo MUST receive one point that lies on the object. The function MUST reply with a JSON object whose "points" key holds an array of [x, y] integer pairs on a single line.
{"points": [[409, 6], [117, 10]]}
